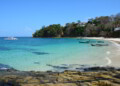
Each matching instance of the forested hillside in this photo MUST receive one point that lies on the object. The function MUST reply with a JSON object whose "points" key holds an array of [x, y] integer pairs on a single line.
{"points": [[103, 26]]}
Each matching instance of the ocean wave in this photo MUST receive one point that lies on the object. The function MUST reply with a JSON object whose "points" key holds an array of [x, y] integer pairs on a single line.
{"points": [[4, 67], [108, 52], [116, 44], [108, 61]]}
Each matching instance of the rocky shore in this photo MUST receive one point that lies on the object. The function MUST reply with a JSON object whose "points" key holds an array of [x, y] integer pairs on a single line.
{"points": [[94, 76]]}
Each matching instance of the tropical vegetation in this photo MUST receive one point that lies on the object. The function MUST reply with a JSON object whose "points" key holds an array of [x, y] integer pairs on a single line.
{"points": [[103, 26]]}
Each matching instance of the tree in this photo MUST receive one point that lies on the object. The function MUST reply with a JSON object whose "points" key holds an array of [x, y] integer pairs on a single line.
{"points": [[49, 31], [100, 26]]}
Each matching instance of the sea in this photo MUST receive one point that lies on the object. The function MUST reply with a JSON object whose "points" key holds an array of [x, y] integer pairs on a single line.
{"points": [[53, 54]]}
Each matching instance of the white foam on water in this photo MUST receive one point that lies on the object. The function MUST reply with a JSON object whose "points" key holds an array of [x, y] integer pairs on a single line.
{"points": [[109, 61], [3, 68], [108, 52], [116, 44]]}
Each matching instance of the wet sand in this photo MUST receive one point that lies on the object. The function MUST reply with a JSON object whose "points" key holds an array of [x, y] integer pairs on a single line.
{"points": [[114, 59]]}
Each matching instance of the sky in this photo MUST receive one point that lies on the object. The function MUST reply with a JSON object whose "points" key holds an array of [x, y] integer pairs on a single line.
{"points": [[21, 18]]}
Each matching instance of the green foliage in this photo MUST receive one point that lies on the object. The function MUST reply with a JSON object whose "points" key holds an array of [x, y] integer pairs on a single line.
{"points": [[54, 30], [100, 26], [73, 30]]}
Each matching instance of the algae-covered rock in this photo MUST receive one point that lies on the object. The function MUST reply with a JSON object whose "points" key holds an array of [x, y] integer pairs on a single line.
{"points": [[104, 83], [66, 78]]}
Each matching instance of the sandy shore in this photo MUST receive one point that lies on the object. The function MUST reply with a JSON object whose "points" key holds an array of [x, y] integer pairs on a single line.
{"points": [[115, 59]]}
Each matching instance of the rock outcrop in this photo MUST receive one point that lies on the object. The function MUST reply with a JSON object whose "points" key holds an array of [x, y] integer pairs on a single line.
{"points": [[92, 77]]}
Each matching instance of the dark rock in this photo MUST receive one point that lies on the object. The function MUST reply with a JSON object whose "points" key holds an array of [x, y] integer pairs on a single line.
{"points": [[84, 41], [117, 76], [36, 62], [100, 41], [40, 53], [4, 67], [99, 45], [58, 67], [100, 69]]}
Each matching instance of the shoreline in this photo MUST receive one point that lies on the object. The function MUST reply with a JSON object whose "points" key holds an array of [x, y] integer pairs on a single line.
{"points": [[110, 61], [91, 76], [114, 61]]}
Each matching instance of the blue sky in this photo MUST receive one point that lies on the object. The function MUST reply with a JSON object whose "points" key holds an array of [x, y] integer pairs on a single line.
{"points": [[23, 17]]}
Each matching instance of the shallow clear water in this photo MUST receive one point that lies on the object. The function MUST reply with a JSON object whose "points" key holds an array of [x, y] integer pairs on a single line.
{"points": [[40, 53]]}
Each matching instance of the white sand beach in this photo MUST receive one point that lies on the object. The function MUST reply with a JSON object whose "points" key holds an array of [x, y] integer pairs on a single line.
{"points": [[115, 59]]}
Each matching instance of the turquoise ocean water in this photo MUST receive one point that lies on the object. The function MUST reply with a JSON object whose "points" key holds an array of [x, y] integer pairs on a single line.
{"points": [[43, 54]]}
